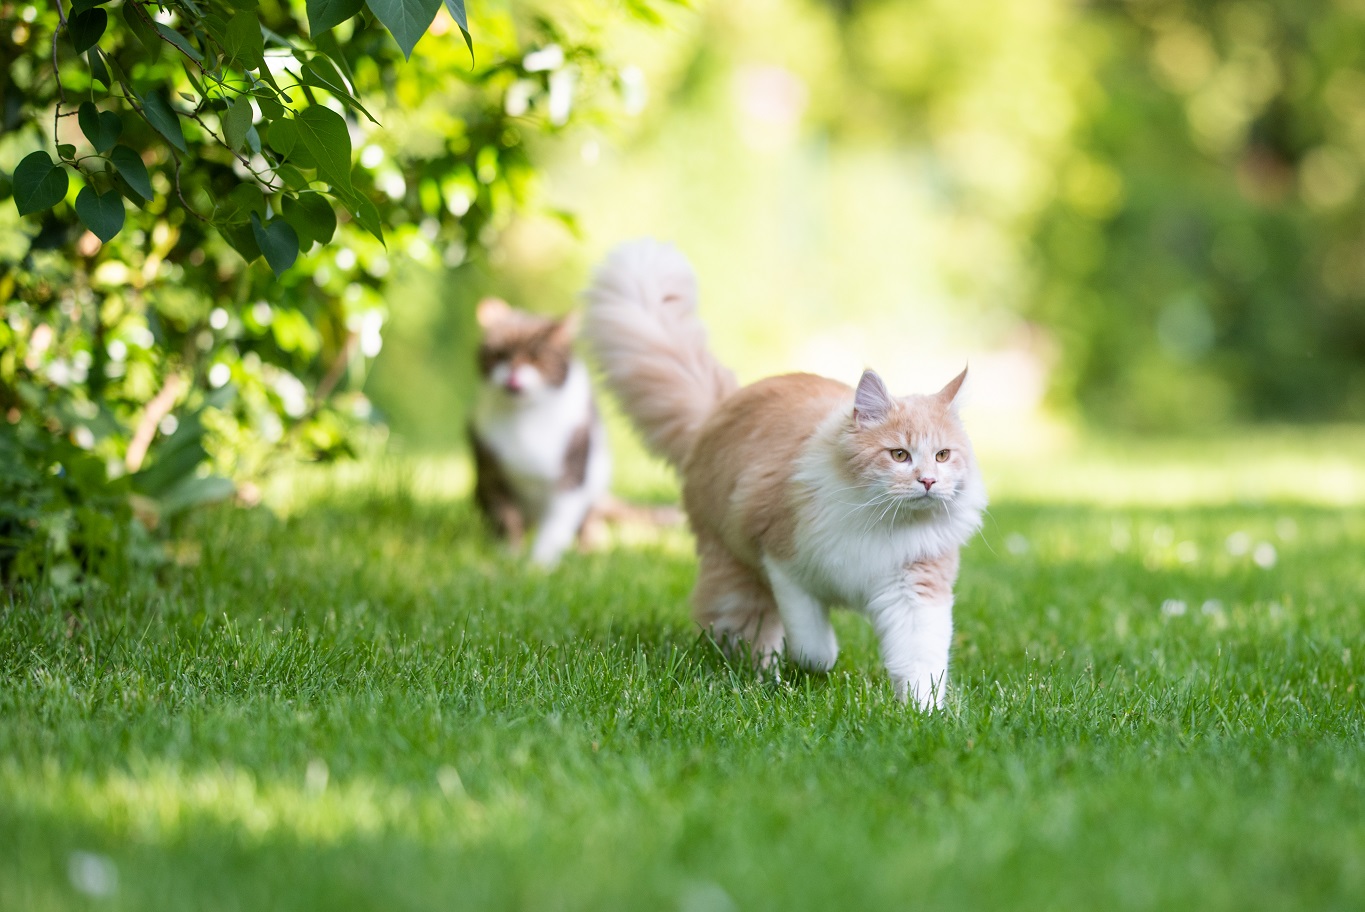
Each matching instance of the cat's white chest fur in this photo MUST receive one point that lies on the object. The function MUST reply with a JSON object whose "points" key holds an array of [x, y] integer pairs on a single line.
{"points": [[844, 556], [531, 437]]}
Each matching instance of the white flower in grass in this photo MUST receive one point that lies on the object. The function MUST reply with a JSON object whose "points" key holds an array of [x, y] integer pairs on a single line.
{"points": [[1174, 608], [1238, 543], [1187, 552], [315, 777], [92, 873], [1265, 555], [1016, 544], [1212, 607]]}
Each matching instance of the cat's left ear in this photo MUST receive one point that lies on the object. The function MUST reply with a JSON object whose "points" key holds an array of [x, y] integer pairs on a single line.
{"points": [[951, 393], [566, 327]]}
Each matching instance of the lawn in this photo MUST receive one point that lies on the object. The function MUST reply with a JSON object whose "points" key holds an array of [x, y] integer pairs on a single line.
{"points": [[354, 700]]}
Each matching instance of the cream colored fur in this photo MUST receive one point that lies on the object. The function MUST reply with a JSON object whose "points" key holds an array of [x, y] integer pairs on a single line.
{"points": [[804, 493]]}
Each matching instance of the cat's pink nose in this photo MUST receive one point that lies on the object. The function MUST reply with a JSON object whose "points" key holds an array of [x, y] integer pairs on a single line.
{"points": [[928, 482], [513, 384]]}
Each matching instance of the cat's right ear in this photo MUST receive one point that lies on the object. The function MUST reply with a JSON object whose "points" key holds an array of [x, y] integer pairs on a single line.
{"points": [[871, 403], [490, 311]]}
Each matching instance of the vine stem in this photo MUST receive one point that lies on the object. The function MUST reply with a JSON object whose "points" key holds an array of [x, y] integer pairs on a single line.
{"points": [[57, 75]]}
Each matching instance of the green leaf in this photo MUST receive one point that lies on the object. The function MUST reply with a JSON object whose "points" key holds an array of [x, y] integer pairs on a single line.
{"points": [[456, 8], [242, 239], [149, 37], [238, 206], [80, 6], [278, 242], [408, 20], [245, 42], [179, 41], [236, 122], [66, 151], [320, 72], [312, 217], [283, 136], [98, 71], [325, 14], [367, 216], [102, 213], [38, 183], [102, 128], [85, 28], [323, 133], [129, 164], [292, 177], [271, 109], [163, 118]]}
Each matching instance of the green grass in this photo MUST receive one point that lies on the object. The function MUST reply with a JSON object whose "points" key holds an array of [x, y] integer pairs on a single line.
{"points": [[356, 701]]}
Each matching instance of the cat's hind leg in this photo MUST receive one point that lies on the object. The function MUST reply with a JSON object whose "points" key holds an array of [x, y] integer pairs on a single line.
{"points": [[734, 604]]}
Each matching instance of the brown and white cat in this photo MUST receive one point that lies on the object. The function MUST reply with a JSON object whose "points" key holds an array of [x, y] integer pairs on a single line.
{"points": [[803, 493], [540, 448]]}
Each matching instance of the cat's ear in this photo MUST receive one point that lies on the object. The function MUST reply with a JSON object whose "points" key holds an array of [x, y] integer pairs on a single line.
{"points": [[566, 327], [871, 403], [950, 393], [490, 311]]}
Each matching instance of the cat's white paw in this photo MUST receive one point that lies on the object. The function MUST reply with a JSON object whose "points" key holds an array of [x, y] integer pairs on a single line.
{"points": [[927, 693]]}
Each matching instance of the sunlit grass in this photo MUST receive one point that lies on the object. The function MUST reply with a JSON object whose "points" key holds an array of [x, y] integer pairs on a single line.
{"points": [[354, 700]]}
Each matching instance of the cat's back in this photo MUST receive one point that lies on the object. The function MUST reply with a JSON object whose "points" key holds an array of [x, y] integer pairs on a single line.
{"points": [[736, 476]]}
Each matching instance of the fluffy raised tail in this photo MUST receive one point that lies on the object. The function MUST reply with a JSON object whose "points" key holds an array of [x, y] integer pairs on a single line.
{"points": [[643, 326]]}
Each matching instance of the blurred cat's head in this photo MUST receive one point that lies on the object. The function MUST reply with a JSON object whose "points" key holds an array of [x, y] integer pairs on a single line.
{"points": [[912, 451], [523, 355]]}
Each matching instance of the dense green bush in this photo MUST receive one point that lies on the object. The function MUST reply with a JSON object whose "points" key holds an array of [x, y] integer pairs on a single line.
{"points": [[205, 212]]}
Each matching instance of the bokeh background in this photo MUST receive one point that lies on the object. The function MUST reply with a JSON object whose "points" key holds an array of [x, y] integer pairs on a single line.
{"points": [[1136, 216]]}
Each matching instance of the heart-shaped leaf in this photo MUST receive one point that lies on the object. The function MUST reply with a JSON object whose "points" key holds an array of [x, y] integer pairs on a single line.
{"points": [[237, 206], [456, 8], [38, 183], [408, 20], [163, 118], [102, 128], [325, 14], [236, 122], [278, 242], [86, 27], [102, 213], [129, 164], [312, 217], [323, 133], [245, 42], [98, 71]]}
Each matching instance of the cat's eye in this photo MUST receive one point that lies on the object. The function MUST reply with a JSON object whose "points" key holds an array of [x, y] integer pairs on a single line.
{"points": [[900, 455], [942, 455]]}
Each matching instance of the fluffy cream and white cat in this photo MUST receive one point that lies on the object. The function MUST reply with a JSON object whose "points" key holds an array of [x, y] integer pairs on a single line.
{"points": [[803, 493]]}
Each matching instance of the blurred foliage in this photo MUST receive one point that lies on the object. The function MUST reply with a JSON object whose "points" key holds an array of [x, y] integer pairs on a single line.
{"points": [[166, 349], [1157, 203], [1205, 258]]}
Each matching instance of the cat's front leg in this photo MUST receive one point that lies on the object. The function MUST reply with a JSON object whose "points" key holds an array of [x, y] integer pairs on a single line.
{"points": [[810, 638], [558, 529], [914, 622]]}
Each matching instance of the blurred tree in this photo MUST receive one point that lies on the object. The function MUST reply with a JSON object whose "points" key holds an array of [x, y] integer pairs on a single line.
{"points": [[1204, 256], [205, 211]]}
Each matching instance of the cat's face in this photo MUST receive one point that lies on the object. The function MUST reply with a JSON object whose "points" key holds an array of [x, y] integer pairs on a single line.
{"points": [[911, 451], [522, 355]]}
